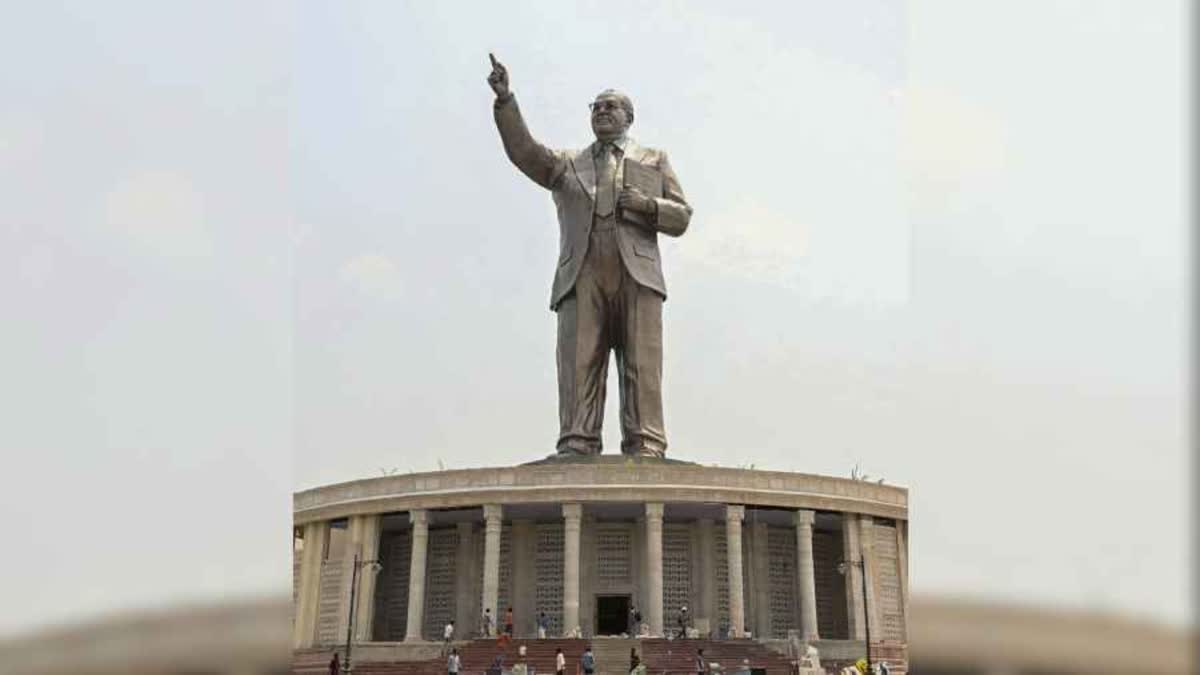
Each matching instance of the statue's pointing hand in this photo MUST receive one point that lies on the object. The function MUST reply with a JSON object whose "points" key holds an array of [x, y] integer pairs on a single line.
{"points": [[499, 77]]}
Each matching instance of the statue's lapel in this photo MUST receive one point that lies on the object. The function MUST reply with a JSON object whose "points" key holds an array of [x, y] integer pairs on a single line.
{"points": [[585, 171]]}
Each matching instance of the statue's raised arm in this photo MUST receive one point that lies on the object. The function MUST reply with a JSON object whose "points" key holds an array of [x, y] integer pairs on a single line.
{"points": [[543, 165]]}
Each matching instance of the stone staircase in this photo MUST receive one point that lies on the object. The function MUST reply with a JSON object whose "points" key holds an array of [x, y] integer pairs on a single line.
{"points": [[477, 655], [316, 662], [678, 657], [612, 655], [662, 657]]}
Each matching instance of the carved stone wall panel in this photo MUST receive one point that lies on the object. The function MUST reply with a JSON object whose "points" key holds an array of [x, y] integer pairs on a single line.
{"points": [[784, 604], [614, 559], [330, 596], [721, 568], [441, 572], [887, 580], [504, 592], [832, 622], [296, 554], [749, 597], [329, 601], [391, 586], [480, 537], [548, 560], [677, 571]]}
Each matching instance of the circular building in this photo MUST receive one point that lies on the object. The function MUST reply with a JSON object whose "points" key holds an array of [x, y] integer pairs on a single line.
{"points": [[585, 544]]}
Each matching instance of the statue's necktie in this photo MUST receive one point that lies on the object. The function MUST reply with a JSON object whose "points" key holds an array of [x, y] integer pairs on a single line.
{"points": [[606, 178]]}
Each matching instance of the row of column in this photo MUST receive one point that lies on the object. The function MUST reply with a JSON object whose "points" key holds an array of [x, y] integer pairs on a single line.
{"points": [[364, 540]]}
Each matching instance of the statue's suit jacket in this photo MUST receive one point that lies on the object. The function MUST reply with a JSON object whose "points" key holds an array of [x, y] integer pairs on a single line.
{"points": [[570, 175]]}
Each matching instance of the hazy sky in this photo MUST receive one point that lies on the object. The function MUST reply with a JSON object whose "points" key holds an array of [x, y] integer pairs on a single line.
{"points": [[258, 250]]}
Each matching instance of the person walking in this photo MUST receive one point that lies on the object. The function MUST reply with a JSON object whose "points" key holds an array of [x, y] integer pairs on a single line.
{"points": [[335, 666], [701, 664], [683, 622], [447, 636], [634, 659], [543, 624], [508, 622], [588, 661], [454, 663], [560, 662]]}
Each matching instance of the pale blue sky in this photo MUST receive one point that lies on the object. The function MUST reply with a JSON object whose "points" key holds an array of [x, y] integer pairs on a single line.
{"points": [[257, 250]]}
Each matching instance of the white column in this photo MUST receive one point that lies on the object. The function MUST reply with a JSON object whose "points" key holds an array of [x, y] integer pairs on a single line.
{"points": [[464, 580], [587, 574], [902, 559], [493, 522], [364, 538], [572, 514], [851, 554], [733, 536], [760, 579], [654, 567], [304, 627], [524, 578], [706, 596], [416, 574], [806, 585]]}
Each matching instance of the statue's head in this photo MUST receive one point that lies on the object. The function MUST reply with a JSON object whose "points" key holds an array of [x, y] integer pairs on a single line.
{"points": [[612, 113]]}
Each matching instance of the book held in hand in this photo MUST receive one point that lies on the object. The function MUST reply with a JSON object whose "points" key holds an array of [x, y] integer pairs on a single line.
{"points": [[646, 178]]}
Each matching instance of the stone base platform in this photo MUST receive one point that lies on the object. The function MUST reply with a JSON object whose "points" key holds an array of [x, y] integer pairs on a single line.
{"points": [[586, 540]]}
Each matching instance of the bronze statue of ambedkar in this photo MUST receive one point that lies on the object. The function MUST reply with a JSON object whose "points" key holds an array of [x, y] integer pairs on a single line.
{"points": [[608, 284]]}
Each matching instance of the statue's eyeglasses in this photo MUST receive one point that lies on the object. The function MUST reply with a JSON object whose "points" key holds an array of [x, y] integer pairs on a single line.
{"points": [[604, 106]]}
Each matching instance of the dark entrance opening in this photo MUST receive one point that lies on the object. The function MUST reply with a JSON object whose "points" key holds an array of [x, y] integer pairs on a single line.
{"points": [[612, 614]]}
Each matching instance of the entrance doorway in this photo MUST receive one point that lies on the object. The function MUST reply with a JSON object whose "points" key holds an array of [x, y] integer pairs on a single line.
{"points": [[612, 614]]}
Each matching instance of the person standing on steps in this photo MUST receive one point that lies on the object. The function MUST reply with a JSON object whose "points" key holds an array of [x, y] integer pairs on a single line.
{"points": [[454, 663], [508, 622], [587, 662], [560, 662], [701, 664], [485, 628], [543, 624]]}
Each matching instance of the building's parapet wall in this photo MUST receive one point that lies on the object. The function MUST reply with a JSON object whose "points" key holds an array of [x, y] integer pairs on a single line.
{"points": [[635, 482]]}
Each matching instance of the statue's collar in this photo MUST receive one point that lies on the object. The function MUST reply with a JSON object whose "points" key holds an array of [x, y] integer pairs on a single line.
{"points": [[621, 143]]}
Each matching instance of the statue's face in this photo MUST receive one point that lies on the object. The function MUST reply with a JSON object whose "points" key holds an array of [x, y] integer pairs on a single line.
{"points": [[609, 119]]}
